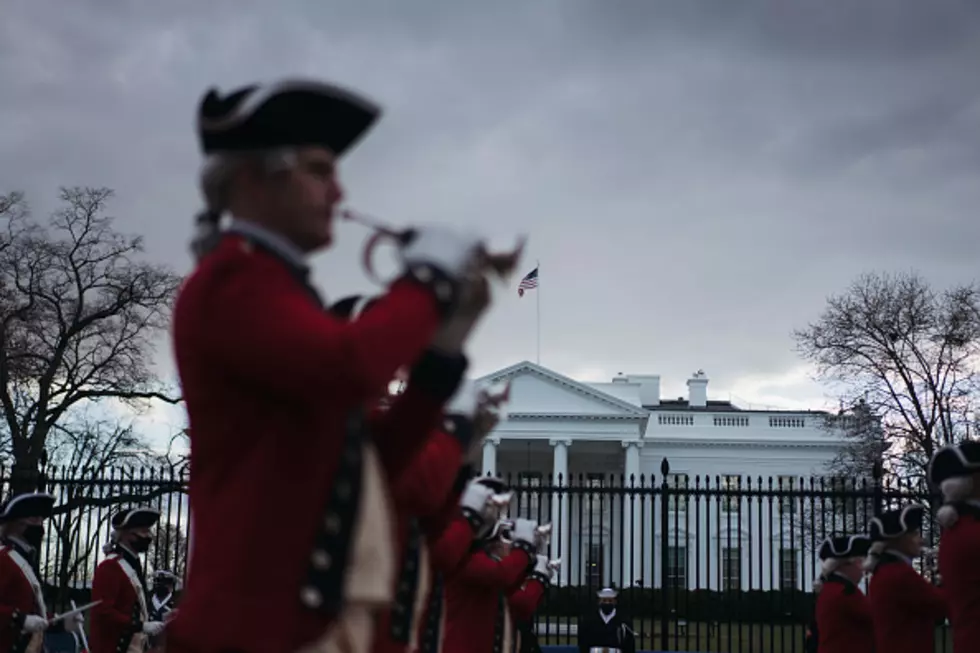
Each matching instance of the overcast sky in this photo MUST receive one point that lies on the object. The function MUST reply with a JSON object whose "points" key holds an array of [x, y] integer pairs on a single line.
{"points": [[695, 177]]}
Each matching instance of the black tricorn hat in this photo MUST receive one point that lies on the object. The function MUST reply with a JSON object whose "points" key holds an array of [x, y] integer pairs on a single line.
{"points": [[844, 546], [954, 461], [895, 523], [495, 484], [164, 577], [350, 308], [288, 113], [24, 506], [135, 518]]}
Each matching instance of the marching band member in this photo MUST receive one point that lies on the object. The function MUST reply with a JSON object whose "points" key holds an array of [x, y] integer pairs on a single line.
{"points": [[605, 629], [843, 614], [955, 470], [478, 613], [23, 614], [275, 386], [904, 606], [121, 622]]}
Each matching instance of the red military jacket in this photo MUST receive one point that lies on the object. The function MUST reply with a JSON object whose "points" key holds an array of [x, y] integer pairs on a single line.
{"points": [[959, 566], [843, 618], [478, 615], [420, 492], [20, 595], [273, 384], [905, 607], [119, 618]]}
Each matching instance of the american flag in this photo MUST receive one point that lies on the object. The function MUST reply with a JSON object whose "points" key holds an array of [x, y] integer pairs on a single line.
{"points": [[529, 281]]}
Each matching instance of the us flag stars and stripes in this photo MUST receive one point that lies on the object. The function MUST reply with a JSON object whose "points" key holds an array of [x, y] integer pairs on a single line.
{"points": [[529, 282]]}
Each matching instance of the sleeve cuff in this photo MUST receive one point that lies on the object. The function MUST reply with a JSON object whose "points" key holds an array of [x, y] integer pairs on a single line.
{"points": [[443, 288], [439, 373], [475, 520], [541, 578], [460, 428], [527, 548]]}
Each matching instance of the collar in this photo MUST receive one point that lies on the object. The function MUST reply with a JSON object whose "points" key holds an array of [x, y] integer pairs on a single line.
{"points": [[276, 243], [607, 617], [21, 545]]}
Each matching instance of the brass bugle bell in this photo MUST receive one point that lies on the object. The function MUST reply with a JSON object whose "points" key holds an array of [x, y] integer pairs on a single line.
{"points": [[502, 264]]}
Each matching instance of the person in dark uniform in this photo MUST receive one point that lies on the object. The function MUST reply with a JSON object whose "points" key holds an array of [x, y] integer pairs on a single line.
{"points": [[280, 393], [606, 630], [905, 606], [843, 614], [162, 600], [955, 472]]}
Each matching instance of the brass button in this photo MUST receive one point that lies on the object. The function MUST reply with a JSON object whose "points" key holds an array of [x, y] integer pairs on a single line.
{"points": [[321, 559], [311, 597]]}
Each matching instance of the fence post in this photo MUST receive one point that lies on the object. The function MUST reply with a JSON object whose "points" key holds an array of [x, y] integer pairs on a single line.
{"points": [[877, 474], [664, 558]]}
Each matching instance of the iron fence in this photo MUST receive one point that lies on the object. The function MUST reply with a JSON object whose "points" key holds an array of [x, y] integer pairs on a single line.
{"points": [[701, 563]]}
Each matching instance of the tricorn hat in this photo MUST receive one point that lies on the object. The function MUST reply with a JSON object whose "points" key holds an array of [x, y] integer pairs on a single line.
{"points": [[288, 113], [954, 461], [165, 577], [135, 518], [844, 546], [24, 506], [607, 593], [895, 523]]}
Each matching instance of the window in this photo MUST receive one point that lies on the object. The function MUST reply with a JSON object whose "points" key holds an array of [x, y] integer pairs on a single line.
{"points": [[730, 502], [731, 568], [677, 501], [530, 495], [787, 484], [677, 567], [787, 570]]}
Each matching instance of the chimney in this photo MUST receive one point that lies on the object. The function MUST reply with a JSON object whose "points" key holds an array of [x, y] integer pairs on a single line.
{"points": [[620, 378], [697, 390], [649, 388]]}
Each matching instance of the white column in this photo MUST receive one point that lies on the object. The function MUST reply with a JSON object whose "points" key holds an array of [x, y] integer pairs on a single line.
{"points": [[561, 546], [490, 456], [631, 516]]}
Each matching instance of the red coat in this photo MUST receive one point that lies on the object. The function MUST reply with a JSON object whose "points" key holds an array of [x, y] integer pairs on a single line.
{"points": [[478, 618], [959, 566], [121, 614], [420, 492], [18, 598], [843, 618], [271, 382], [905, 608]]}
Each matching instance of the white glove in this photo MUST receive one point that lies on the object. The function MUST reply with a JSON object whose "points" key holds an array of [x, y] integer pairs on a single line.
{"points": [[542, 566], [465, 401], [448, 251], [476, 497], [153, 628], [35, 624], [526, 530]]}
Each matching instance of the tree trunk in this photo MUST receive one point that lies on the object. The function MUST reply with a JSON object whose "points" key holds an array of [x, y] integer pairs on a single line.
{"points": [[25, 476]]}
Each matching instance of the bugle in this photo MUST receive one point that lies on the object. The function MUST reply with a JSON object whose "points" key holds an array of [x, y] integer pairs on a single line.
{"points": [[502, 264]]}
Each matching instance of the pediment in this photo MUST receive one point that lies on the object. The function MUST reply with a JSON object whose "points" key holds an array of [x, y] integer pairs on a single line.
{"points": [[536, 390]]}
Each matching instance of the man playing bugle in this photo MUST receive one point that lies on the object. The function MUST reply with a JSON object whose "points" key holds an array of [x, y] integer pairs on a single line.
{"points": [[276, 387]]}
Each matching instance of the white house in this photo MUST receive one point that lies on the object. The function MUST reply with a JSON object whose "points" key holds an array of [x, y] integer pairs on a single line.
{"points": [[573, 436]]}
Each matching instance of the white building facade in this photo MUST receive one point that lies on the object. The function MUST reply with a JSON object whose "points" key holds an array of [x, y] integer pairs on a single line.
{"points": [[583, 442]]}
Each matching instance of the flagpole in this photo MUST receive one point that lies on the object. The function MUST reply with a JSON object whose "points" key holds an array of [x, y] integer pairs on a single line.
{"points": [[537, 292]]}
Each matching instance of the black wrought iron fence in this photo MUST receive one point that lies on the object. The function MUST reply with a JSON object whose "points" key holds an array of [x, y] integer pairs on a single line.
{"points": [[701, 563]]}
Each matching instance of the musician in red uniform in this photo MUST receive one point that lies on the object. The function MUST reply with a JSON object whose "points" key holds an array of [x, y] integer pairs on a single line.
{"points": [[120, 623], [843, 614], [955, 471], [479, 616], [275, 386], [23, 615], [905, 606]]}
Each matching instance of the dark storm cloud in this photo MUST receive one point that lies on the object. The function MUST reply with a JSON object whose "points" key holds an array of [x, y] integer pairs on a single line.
{"points": [[696, 176]]}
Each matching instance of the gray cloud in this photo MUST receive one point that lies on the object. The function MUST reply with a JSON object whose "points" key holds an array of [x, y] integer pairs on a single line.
{"points": [[696, 176]]}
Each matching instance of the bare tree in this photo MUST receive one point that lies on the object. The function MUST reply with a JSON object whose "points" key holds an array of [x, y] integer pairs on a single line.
{"points": [[79, 314], [909, 353], [169, 549]]}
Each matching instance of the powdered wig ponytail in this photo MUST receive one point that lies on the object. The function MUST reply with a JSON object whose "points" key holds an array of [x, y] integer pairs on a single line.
{"points": [[215, 182], [110, 546], [874, 556], [953, 489]]}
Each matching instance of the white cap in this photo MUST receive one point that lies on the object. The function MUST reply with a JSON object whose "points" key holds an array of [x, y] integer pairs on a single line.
{"points": [[607, 593]]}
